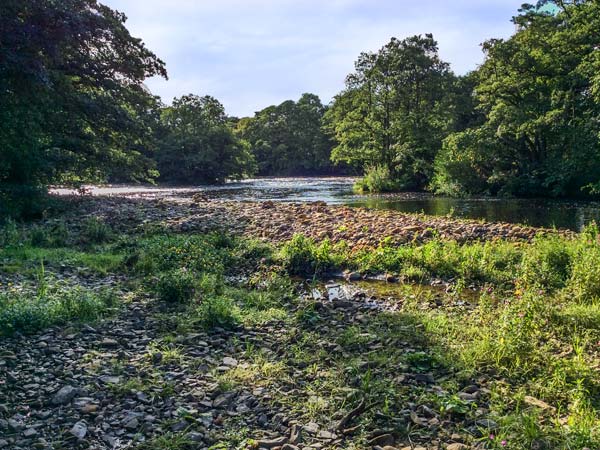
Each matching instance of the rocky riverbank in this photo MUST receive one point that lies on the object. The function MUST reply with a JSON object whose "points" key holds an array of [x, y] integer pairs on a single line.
{"points": [[277, 222]]}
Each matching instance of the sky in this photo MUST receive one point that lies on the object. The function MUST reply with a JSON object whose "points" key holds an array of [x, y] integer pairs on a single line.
{"points": [[250, 54]]}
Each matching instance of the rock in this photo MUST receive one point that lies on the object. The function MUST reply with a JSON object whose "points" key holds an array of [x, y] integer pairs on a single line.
{"points": [[424, 378], [89, 408], [382, 440], [109, 379], [353, 276], [290, 447], [456, 446], [270, 443], [532, 401], [324, 434], [30, 432], [132, 424], [487, 423], [311, 428], [108, 342], [79, 430], [64, 395], [230, 362], [195, 437], [16, 425]]}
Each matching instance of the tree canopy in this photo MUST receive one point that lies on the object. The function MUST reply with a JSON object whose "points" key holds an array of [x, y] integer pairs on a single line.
{"points": [[198, 146], [539, 95], [74, 106], [394, 111], [288, 139]]}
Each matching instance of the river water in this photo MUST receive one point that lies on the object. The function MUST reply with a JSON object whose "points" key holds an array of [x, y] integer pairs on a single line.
{"points": [[573, 215]]}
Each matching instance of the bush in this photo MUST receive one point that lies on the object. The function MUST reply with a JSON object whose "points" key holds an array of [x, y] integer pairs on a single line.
{"points": [[9, 234], [302, 256], [22, 202], [95, 231], [217, 311], [376, 179], [546, 264], [201, 253], [176, 286], [28, 313]]}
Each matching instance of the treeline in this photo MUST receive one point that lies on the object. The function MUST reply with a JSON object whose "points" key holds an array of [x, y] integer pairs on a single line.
{"points": [[525, 123], [74, 109]]}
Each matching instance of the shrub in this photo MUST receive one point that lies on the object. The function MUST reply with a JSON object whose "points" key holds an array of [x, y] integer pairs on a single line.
{"points": [[9, 234], [302, 256], [176, 286], [95, 231], [376, 179], [584, 281], [203, 253], [28, 313], [546, 263], [217, 311]]}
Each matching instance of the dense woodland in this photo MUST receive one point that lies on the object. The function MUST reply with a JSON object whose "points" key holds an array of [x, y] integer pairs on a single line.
{"points": [[524, 123]]}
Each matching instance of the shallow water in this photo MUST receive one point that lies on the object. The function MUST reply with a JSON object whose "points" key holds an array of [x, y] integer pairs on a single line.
{"points": [[573, 215]]}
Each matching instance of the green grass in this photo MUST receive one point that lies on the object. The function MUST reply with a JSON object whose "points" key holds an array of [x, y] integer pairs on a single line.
{"points": [[31, 312], [534, 330]]}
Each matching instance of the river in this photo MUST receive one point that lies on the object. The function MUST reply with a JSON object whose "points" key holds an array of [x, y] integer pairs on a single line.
{"points": [[573, 215]]}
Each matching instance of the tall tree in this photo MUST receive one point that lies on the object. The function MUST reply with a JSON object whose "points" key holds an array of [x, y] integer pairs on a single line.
{"points": [[394, 111], [288, 139], [74, 107], [198, 145], [539, 94]]}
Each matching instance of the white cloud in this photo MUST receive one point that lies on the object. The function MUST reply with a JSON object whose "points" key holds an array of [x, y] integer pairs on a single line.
{"points": [[253, 53]]}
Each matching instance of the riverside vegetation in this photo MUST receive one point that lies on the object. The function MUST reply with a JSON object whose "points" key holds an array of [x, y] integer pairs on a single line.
{"points": [[524, 123], [162, 339]]}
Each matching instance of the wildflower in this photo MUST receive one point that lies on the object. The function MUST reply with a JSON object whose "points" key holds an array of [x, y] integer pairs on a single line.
{"points": [[492, 437], [503, 443]]}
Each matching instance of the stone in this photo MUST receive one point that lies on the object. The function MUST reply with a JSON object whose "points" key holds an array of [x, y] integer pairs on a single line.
{"points": [[487, 423], [109, 343], [270, 443], [195, 436], [109, 379], [456, 446], [79, 430], [30, 432], [382, 440], [64, 395], [230, 362], [132, 424]]}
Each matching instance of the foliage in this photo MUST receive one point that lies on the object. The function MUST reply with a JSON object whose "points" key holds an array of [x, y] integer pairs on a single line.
{"points": [[197, 145], [287, 139], [95, 231], [217, 311], [302, 256], [74, 107], [28, 313], [395, 110], [176, 286], [376, 179], [538, 92]]}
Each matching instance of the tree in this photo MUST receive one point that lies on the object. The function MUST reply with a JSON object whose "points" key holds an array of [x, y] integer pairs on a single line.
{"points": [[395, 110], [539, 94], [198, 146], [288, 139], [73, 104]]}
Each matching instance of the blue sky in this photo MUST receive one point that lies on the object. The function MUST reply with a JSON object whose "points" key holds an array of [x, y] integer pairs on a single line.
{"points": [[253, 53]]}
